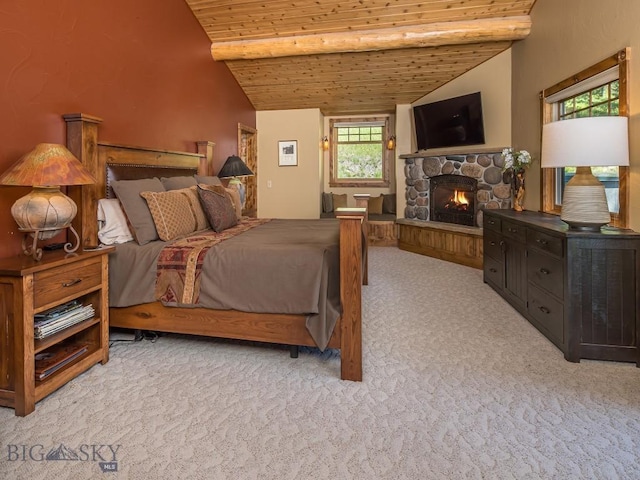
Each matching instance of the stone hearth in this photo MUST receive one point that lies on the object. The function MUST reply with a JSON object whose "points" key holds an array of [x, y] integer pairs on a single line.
{"points": [[493, 192]]}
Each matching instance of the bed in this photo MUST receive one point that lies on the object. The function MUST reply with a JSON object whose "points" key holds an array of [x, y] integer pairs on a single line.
{"points": [[108, 161]]}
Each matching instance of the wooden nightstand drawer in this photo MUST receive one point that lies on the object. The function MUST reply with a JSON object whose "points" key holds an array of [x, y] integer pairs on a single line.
{"points": [[61, 282]]}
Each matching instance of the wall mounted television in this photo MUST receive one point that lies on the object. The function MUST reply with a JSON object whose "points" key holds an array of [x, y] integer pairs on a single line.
{"points": [[449, 123]]}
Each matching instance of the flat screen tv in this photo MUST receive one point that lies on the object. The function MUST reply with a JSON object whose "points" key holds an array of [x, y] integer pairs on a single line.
{"points": [[449, 123]]}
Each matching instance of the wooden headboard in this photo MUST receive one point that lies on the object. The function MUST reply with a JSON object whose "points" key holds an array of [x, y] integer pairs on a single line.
{"points": [[108, 162]]}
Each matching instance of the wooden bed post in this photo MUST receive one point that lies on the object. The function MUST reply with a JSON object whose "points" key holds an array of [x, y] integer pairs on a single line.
{"points": [[205, 148], [82, 141], [362, 201], [351, 270]]}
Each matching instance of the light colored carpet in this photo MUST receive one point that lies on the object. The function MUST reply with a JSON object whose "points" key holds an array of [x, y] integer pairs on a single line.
{"points": [[456, 385]]}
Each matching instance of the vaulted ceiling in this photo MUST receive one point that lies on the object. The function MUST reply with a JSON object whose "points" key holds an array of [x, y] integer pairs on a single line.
{"points": [[355, 56]]}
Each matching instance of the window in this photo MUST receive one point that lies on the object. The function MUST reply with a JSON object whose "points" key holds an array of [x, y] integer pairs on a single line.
{"points": [[597, 91], [600, 101], [358, 154]]}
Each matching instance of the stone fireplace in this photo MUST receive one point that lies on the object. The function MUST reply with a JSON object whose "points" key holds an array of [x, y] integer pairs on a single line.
{"points": [[484, 169]]}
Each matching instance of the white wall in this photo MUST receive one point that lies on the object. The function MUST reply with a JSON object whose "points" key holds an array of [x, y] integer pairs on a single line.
{"points": [[289, 192]]}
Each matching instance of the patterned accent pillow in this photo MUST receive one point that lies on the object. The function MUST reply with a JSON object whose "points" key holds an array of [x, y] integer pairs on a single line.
{"points": [[218, 208], [171, 212]]}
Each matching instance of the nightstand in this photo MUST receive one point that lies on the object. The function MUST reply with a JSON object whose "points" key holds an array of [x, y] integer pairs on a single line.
{"points": [[27, 288]]}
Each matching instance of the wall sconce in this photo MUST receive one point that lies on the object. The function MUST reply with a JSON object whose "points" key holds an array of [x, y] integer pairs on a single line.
{"points": [[325, 143], [391, 142]]}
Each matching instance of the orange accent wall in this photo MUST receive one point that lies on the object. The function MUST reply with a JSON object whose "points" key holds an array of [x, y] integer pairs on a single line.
{"points": [[143, 66]]}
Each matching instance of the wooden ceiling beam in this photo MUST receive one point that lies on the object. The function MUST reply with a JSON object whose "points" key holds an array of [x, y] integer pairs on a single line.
{"points": [[427, 35]]}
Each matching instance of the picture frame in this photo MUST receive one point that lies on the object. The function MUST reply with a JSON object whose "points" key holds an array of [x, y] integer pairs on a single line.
{"points": [[287, 153]]}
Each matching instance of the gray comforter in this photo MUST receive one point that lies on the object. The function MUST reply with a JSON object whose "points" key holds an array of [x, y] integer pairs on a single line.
{"points": [[283, 266]]}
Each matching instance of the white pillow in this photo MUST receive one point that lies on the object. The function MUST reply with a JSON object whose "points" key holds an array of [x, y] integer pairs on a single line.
{"points": [[112, 223]]}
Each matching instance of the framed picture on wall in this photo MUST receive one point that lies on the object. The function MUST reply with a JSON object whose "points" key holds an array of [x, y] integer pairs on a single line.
{"points": [[287, 153]]}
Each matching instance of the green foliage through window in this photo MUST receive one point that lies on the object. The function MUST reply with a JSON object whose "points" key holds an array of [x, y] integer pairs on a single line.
{"points": [[597, 102], [360, 152], [360, 161]]}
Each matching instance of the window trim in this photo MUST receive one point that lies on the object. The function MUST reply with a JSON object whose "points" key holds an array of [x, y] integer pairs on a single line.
{"points": [[333, 135], [548, 98]]}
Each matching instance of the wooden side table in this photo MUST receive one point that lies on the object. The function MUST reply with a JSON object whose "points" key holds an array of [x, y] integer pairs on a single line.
{"points": [[29, 287]]}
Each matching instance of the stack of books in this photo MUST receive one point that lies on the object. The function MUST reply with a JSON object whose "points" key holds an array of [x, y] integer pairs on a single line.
{"points": [[52, 360], [58, 318]]}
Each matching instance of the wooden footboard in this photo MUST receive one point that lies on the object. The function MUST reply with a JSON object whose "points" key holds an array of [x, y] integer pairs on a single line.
{"points": [[82, 140]]}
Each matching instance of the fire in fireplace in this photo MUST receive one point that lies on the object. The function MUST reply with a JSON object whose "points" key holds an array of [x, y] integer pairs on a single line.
{"points": [[452, 199], [458, 202]]}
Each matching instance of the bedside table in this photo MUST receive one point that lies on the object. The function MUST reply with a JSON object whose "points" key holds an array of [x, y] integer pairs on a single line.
{"points": [[28, 288]]}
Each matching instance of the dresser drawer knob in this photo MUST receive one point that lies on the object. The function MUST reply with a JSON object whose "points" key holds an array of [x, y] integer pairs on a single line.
{"points": [[513, 230], [541, 241], [493, 244], [544, 271], [493, 270], [544, 310], [72, 282]]}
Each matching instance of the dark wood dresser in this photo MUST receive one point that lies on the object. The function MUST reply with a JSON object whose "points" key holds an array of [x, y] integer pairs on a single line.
{"points": [[580, 289]]}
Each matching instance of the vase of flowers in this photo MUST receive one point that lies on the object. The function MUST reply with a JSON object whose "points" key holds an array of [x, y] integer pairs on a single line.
{"points": [[516, 163]]}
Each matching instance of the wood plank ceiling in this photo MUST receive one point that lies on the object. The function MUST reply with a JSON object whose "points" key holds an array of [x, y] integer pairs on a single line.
{"points": [[355, 56]]}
